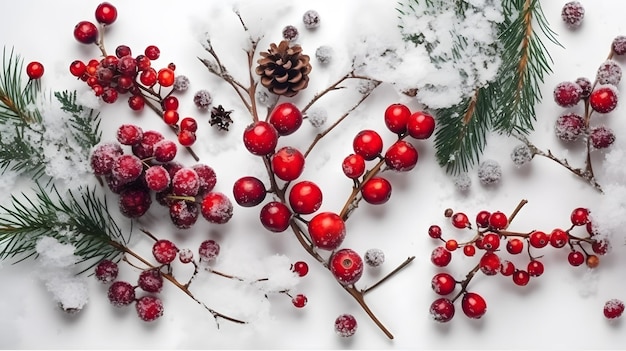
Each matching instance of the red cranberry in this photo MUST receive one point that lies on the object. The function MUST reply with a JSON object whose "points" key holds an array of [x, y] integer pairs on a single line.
{"points": [[305, 197], [396, 118], [249, 191], [401, 156], [376, 191], [150, 280], [260, 138], [327, 230], [420, 125], [474, 306], [121, 294], [184, 214], [209, 250], [368, 144], [106, 13], [275, 216], [86, 32], [287, 163], [149, 308], [286, 118], [353, 166], [216, 208], [442, 310], [347, 266], [443, 283]]}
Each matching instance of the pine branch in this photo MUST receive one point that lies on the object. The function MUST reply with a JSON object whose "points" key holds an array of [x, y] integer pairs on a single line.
{"points": [[84, 123], [79, 218], [16, 98], [18, 153]]}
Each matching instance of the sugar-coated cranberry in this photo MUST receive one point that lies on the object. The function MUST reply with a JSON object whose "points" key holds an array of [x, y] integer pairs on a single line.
{"points": [[86, 32], [420, 125], [347, 266], [345, 325], [601, 137], [157, 178], [613, 308], [149, 308], [165, 150], [609, 72], [134, 201], [106, 271], [185, 182], [127, 65], [396, 118], [129, 134], [299, 300], [103, 157], [514, 246], [305, 197], [34, 70], [575, 258], [440, 257], [586, 86], [164, 251], [145, 149], [301, 268], [490, 263], [443, 283], [368, 144], [572, 14], [604, 98], [521, 277], [209, 250], [401, 156], [185, 256], [249, 191], [288, 163], [376, 191], [109, 95], [558, 238], [121, 294], [184, 214], [286, 118], [260, 138], [327, 230], [275, 216], [207, 177], [442, 310], [567, 94], [106, 13], [473, 305], [216, 208], [601, 247], [353, 166], [569, 126], [619, 45], [150, 280]]}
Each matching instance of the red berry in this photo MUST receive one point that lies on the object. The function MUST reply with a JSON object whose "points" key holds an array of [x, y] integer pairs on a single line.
{"points": [[442, 310], [150, 280], [152, 52], [521, 277], [567, 94], [166, 77], [149, 308], [327, 230], [396, 118], [275, 216], [434, 231], [164, 251], [451, 245], [34, 70], [121, 294], [106, 13], [368, 144], [185, 256], [401, 156], [144, 64], [216, 208], [127, 168], [443, 283], [420, 125], [569, 126], [347, 266], [514, 246], [157, 178], [286, 118], [572, 14], [106, 271], [603, 99], [186, 138], [170, 103], [490, 263], [305, 197], [129, 134], [601, 137], [189, 123], [86, 32], [145, 149], [127, 66], [474, 306], [345, 325], [507, 268], [300, 268], [299, 301], [580, 216], [208, 250], [170, 117], [498, 220], [538, 239], [249, 191], [77, 68], [376, 191], [207, 177], [482, 219], [613, 309], [184, 214], [440, 257], [619, 45], [601, 247], [185, 182], [460, 220], [148, 77], [165, 150], [575, 258], [122, 50], [469, 250], [558, 238], [134, 201], [103, 157], [288, 163], [109, 95], [535, 268], [260, 138], [353, 166], [491, 241]]}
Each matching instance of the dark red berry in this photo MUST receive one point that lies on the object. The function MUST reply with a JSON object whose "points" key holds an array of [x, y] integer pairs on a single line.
{"points": [[572, 14], [185, 182], [106, 271], [474, 305], [601, 137], [442, 310], [34, 70], [288, 163], [209, 250], [368, 144], [299, 301], [443, 283], [440, 257], [164, 251], [86, 32], [286, 118], [150, 280], [576, 258], [170, 103], [569, 127], [482, 219], [514, 246], [207, 177], [103, 157], [134, 201], [396, 118], [149, 308], [535, 268], [601, 247], [613, 308], [301, 268], [376, 191], [345, 325], [216, 208], [401, 156], [305, 197], [152, 52], [347, 266], [434, 231], [184, 214], [353, 166], [249, 191], [521, 277], [106, 13], [275, 216], [460, 220], [420, 125], [157, 178], [145, 149], [260, 138], [121, 294]]}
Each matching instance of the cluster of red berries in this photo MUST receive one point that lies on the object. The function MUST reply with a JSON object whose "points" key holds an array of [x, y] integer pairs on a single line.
{"points": [[123, 73], [492, 240], [150, 280], [601, 96], [150, 167]]}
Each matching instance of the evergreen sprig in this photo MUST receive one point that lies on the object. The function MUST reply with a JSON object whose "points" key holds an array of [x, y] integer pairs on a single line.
{"points": [[507, 103], [17, 98], [84, 123], [80, 218]]}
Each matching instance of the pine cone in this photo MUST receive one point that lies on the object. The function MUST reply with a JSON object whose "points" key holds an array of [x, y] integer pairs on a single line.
{"points": [[283, 69]]}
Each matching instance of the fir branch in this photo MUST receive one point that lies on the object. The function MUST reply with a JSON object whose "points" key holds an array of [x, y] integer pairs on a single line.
{"points": [[84, 123], [79, 218], [16, 98], [18, 153]]}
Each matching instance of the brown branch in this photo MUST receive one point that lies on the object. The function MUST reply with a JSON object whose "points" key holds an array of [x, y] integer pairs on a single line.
{"points": [[391, 274]]}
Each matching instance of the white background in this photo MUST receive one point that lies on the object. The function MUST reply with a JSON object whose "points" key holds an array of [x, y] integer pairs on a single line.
{"points": [[560, 310]]}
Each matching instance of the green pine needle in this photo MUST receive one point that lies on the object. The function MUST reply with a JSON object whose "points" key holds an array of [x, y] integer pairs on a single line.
{"points": [[17, 98]]}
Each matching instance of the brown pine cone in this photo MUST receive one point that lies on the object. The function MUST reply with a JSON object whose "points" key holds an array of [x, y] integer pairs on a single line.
{"points": [[284, 70]]}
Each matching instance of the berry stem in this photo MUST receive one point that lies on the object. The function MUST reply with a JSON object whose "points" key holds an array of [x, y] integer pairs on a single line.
{"points": [[516, 210], [468, 278], [392, 273]]}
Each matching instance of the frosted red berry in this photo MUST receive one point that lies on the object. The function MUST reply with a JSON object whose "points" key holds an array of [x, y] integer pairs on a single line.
{"points": [[521, 277], [401, 156], [275, 216], [609, 72], [157, 178], [443, 283], [184, 214], [604, 98], [145, 149], [207, 177], [305, 197], [299, 301], [327, 230], [586, 86], [185, 256], [572, 14], [442, 310], [347, 266], [345, 325], [440, 257], [569, 127], [106, 271], [127, 65], [376, 191], [489, 263], [473, 305], [301, 268], [149, 308], [558, 238], [353, 166], [170, 103], [249, 191], [396, 118], [286, 118], [103, 157], [150, 280], [507, 268], [216, 208], [420, 125], [185, 182], [86, 32], [601, 247], [613, 308], [287, 163], [260, 138], [134, 201], [34, 70], [567, 94], [209, 250], [460, 220], [165, 150], [164, 251], [368, 144], [538, 239], [129, 134], [601, 137], [121, 294], [575, 258], [619, 45]]}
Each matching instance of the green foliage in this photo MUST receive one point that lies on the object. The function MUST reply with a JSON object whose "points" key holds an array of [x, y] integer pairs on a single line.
{"points": [[17, 98], [84, 123]]}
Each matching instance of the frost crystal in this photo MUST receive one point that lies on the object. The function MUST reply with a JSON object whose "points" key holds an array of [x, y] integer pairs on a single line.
{"points": [[462, 181], [521, 155], [489, 172], [317, 117]]}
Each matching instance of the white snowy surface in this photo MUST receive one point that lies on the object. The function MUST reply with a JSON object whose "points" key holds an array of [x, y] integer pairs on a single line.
{"points": [[560, 310]]}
